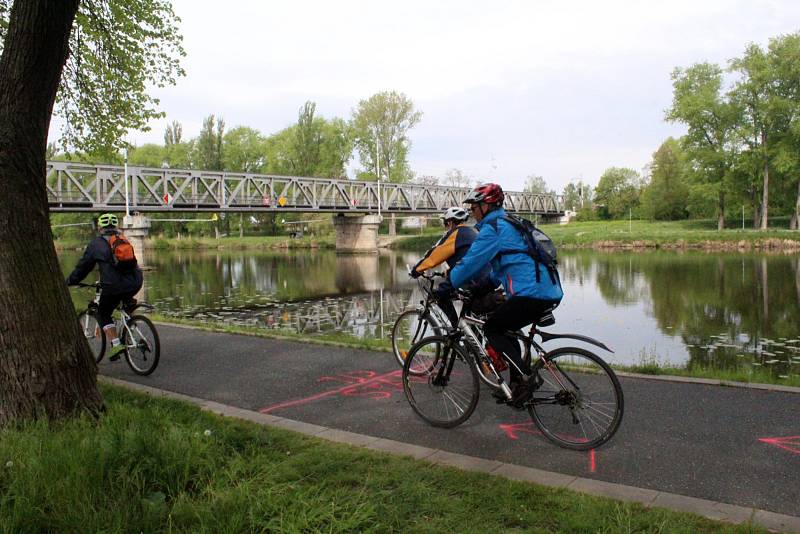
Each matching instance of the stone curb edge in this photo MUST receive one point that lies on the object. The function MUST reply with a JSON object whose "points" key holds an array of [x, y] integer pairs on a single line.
{"points": [[641, 376], [647, 497]]}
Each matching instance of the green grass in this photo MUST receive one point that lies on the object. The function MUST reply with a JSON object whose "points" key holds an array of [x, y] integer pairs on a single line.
{"points": [[155, 465], [249, 242]]}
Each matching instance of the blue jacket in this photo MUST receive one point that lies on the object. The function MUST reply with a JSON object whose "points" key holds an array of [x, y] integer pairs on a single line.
{"points": [[514, 267]]}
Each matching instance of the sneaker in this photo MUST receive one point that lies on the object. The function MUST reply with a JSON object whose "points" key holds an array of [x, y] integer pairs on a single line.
{"points": [[115, 352]]}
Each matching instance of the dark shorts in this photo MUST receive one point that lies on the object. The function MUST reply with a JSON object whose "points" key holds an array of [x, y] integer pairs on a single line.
{"points": [[107, 305]]}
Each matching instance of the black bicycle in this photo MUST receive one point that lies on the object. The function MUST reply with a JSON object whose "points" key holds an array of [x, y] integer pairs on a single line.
{"points": [[137, 332], [424, 320], [576, 402]]}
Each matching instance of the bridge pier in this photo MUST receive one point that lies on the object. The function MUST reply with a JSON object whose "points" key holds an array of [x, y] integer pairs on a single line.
{"points": [[136, 228], [356, 234]]}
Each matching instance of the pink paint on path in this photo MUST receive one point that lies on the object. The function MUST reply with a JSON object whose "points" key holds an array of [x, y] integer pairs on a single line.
{"points": [[368, 384], [791, 443]]}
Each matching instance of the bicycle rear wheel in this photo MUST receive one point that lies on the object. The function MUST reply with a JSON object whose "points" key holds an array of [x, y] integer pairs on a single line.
{"points": [[94, 334], [444, 388], [143, 346], [578, 403], [409, 328]]}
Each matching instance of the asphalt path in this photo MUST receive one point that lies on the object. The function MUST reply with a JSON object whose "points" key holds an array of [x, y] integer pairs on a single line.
{"points": [[732, 445]]}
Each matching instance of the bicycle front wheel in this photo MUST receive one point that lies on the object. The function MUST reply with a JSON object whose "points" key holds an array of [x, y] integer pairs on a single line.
{"points": [[409, 328], [578, 403], [443, 387], [94, 334], [143, 346]]}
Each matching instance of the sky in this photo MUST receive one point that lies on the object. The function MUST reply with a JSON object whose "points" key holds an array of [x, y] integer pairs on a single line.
{"points": [[560, 89]]}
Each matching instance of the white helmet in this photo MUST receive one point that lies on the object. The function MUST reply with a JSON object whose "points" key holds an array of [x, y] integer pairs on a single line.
{"points": [[455, 213]]}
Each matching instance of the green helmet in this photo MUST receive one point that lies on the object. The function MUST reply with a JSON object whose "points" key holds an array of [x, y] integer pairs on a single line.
{"points": [[106, 220]]}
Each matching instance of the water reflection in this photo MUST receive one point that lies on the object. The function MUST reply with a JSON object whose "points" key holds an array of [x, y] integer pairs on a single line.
{"points": [[688, 308]]}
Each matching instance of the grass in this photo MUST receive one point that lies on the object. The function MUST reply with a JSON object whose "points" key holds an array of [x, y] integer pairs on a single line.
{"points": [[155, 465], [694, 233]]}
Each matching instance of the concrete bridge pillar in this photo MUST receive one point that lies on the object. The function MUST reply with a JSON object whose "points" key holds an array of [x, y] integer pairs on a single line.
{"points": [[356, 234], [136, 228]]}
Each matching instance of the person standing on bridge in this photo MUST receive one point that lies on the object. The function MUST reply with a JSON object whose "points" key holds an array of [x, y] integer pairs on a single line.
{"points": [[529, 295], [120, 276], [450, 248]]}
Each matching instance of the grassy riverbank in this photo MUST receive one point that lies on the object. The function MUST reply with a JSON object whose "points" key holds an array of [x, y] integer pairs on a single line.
{"points": [[232, 243], [152, 465], [648, 364], [698, 234]]}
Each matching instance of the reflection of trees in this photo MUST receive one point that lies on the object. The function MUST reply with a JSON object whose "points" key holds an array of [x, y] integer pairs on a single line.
{"points": [[616, 275]]}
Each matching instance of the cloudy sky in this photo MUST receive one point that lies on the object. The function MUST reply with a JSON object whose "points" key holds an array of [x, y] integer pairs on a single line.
{"points": [[562, 89]]}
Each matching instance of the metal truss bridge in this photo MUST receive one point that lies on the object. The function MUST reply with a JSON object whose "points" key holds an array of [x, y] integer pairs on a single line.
{"points": [[74, 187]]}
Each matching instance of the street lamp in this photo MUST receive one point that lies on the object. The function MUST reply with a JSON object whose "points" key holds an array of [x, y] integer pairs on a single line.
{"points": [[378, 169]]}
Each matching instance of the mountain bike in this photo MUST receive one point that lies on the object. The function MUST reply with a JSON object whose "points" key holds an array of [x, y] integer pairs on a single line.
{"points": [[425, 320], [576, 399], [136, 332]]}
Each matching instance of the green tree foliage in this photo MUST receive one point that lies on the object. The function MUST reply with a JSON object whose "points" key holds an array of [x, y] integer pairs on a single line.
{"points": [[711, 121], [208, 147], [118, 51], [149, 155], [381, 124], [666, 196], [577, 196], [617, 193], [173, 134], [536, 184], [245, 150]]}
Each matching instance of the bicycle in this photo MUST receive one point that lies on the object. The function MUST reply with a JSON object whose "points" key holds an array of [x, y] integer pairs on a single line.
{"points": [[414, 324], [576, 402], [137, 332]]}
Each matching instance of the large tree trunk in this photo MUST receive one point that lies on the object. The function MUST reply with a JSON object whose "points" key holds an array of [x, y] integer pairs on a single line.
{"points": [[721, 209], [765, 193], [46, 366], [794, 222]]}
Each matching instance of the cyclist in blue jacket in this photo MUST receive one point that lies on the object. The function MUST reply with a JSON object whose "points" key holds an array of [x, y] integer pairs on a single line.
{"points": [[500, 245]]}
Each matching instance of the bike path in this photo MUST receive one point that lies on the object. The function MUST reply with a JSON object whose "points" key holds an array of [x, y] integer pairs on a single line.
{"points": [[731, 445]]}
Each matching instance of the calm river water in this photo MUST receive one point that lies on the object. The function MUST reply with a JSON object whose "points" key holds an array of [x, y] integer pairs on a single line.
{"points": [[691, 308]]}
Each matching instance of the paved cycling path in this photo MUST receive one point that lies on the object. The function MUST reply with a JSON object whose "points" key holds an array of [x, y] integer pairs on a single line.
{"points": [[724, 444]]}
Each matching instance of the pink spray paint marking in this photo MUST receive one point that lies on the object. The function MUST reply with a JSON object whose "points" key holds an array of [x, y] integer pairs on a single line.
{"points": [[791, 443], [514, 430], [366, 384]]}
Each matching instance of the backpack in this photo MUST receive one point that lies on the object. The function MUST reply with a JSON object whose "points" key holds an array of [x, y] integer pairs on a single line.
{"points": [[122, 254], [540, 247]]}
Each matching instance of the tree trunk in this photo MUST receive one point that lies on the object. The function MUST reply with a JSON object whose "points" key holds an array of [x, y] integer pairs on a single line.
{"points": [[721, 210], [794, 222], [46, 367], [765, 193]]}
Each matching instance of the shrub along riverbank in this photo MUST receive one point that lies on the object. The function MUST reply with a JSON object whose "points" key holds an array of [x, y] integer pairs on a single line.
{"points": [[152, 465]]}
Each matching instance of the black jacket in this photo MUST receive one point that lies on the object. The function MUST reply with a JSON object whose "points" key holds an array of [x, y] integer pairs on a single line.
{"points": [[115, 282]]}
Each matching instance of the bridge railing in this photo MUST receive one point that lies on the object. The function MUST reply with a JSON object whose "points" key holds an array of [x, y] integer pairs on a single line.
{"points": [[82, 187]]}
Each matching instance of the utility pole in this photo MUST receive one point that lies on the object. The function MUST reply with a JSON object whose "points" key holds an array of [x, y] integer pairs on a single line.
{"points": [[378, 169], [127, 203]]}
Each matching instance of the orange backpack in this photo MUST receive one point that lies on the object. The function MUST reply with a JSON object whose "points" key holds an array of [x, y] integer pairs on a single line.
{"points": [[122, 254]]}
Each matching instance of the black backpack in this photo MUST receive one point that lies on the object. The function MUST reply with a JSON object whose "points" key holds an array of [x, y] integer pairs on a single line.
{"points": [[540, 247]]}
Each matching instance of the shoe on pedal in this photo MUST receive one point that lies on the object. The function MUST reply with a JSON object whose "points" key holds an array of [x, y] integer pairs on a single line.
{"points": [[115, 352], [521, 393]]}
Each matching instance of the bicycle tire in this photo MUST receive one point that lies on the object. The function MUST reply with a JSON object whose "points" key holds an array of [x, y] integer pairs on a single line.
{"points": [[142, 355], [94, 334], [446, 394], [558, 411], [410, 327]]}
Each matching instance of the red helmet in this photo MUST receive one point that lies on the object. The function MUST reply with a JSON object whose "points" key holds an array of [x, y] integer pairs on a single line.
{"points": [[487, 193]]}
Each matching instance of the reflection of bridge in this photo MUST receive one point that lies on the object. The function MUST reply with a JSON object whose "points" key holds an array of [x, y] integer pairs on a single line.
{"points": [[358, 314], [83, 187]]}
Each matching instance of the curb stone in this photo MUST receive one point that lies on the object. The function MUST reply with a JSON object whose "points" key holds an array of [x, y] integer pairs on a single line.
{"points": [[651, 498]]}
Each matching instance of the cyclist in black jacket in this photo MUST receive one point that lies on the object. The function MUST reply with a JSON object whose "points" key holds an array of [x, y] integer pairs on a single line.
{"points": [[118, 285]]}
